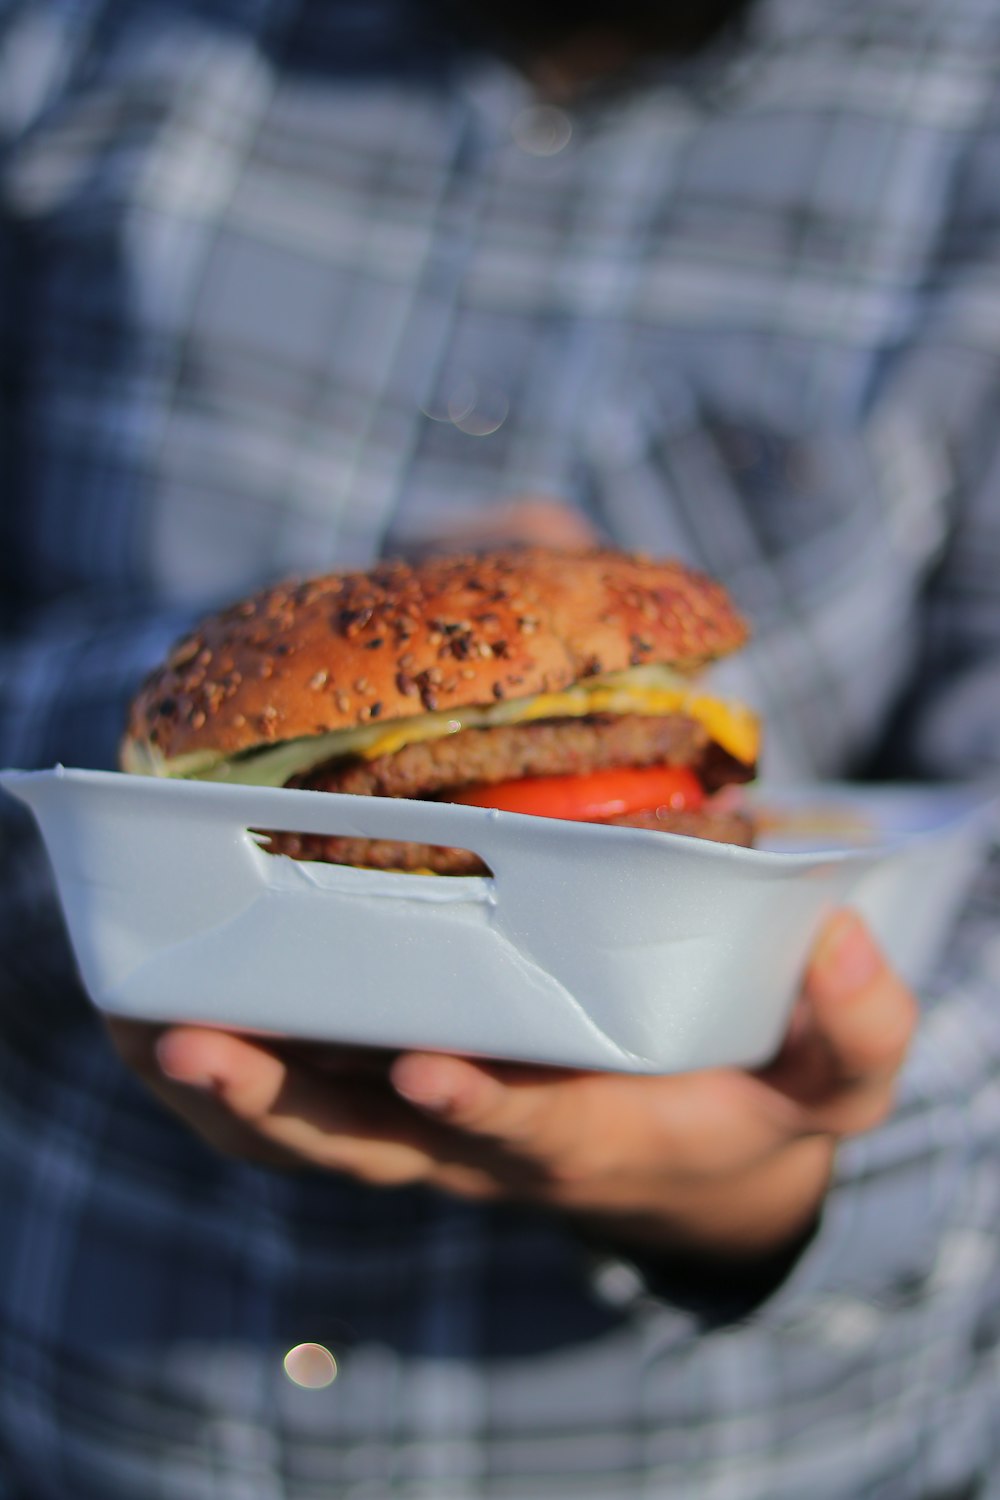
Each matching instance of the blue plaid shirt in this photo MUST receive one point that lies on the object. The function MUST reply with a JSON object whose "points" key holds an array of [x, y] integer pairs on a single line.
{"points": [[289, 283]]}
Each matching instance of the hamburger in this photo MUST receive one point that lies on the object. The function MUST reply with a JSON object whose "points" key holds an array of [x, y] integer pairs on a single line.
{"points": [[561, 684]]}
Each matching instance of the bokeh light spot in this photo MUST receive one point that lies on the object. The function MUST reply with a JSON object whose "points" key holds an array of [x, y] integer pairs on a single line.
{"points": [[310, 1366], [542, 129]]}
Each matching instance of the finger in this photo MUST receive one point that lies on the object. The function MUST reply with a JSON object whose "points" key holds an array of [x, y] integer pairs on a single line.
{"points": [[354, 1127], [466, 1094], [857, 1020], [525, 1110], [547, 1127], [544, 1131], [135, 1042], [859, 1005], [206, 1080], [245, 1075]]}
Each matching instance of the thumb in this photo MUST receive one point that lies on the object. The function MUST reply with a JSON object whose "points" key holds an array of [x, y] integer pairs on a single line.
{"points": [[857, 1018]]}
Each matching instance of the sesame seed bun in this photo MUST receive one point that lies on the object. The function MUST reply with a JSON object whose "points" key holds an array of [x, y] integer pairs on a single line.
{"points": [[348, 649]]}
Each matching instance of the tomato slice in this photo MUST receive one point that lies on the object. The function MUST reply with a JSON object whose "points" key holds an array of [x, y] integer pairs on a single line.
{"points": [[592, 796]]}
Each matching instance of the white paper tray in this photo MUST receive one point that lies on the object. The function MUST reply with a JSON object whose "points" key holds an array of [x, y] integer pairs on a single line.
{"points": [[589, 947]]}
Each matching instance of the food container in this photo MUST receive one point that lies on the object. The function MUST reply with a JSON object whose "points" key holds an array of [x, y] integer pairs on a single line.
{"points": [[588, 946]]}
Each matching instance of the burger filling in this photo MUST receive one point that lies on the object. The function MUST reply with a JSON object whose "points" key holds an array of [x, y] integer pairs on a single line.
{"points": [[644, 747], [663, 772]]}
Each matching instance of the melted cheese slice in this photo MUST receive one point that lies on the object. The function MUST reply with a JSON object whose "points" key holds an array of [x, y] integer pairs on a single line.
{"points": [[649, 690], [729, 724]]}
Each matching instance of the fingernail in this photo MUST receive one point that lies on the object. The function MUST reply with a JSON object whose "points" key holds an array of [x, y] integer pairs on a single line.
{"points": [[846, 954], [169, 1069], [413, 1085]]}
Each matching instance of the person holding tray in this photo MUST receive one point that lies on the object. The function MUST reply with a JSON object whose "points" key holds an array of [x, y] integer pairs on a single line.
{"points": [[286, 287]]}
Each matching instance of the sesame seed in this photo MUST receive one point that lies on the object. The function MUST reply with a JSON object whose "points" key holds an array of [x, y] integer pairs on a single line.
{"points": [[354, 620], [184, 653], [198, 720], [318, 680], [342, 701]]}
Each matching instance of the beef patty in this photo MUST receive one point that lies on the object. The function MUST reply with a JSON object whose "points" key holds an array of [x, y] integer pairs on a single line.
{"points": [[547, 747], [724, 826]]}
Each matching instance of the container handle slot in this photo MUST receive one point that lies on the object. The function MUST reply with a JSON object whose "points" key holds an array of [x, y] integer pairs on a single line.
{"points": [[383, 853]]}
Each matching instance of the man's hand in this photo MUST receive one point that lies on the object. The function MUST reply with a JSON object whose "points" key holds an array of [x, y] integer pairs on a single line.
{"points": [[518, 520], [725, 1162]]}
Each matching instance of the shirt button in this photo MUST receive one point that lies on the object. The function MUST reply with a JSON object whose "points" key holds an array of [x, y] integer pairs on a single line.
{"points": [[541, 129]]}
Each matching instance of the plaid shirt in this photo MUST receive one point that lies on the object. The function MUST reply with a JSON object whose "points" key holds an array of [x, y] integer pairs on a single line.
{"points": [[284, 285]]}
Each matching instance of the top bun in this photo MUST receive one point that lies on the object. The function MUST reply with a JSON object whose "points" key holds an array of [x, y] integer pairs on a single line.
{"points": [[346, 649]]}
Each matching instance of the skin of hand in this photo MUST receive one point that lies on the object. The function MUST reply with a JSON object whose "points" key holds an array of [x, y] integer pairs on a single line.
{"points": [[726, 1163], [517, 520]]}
